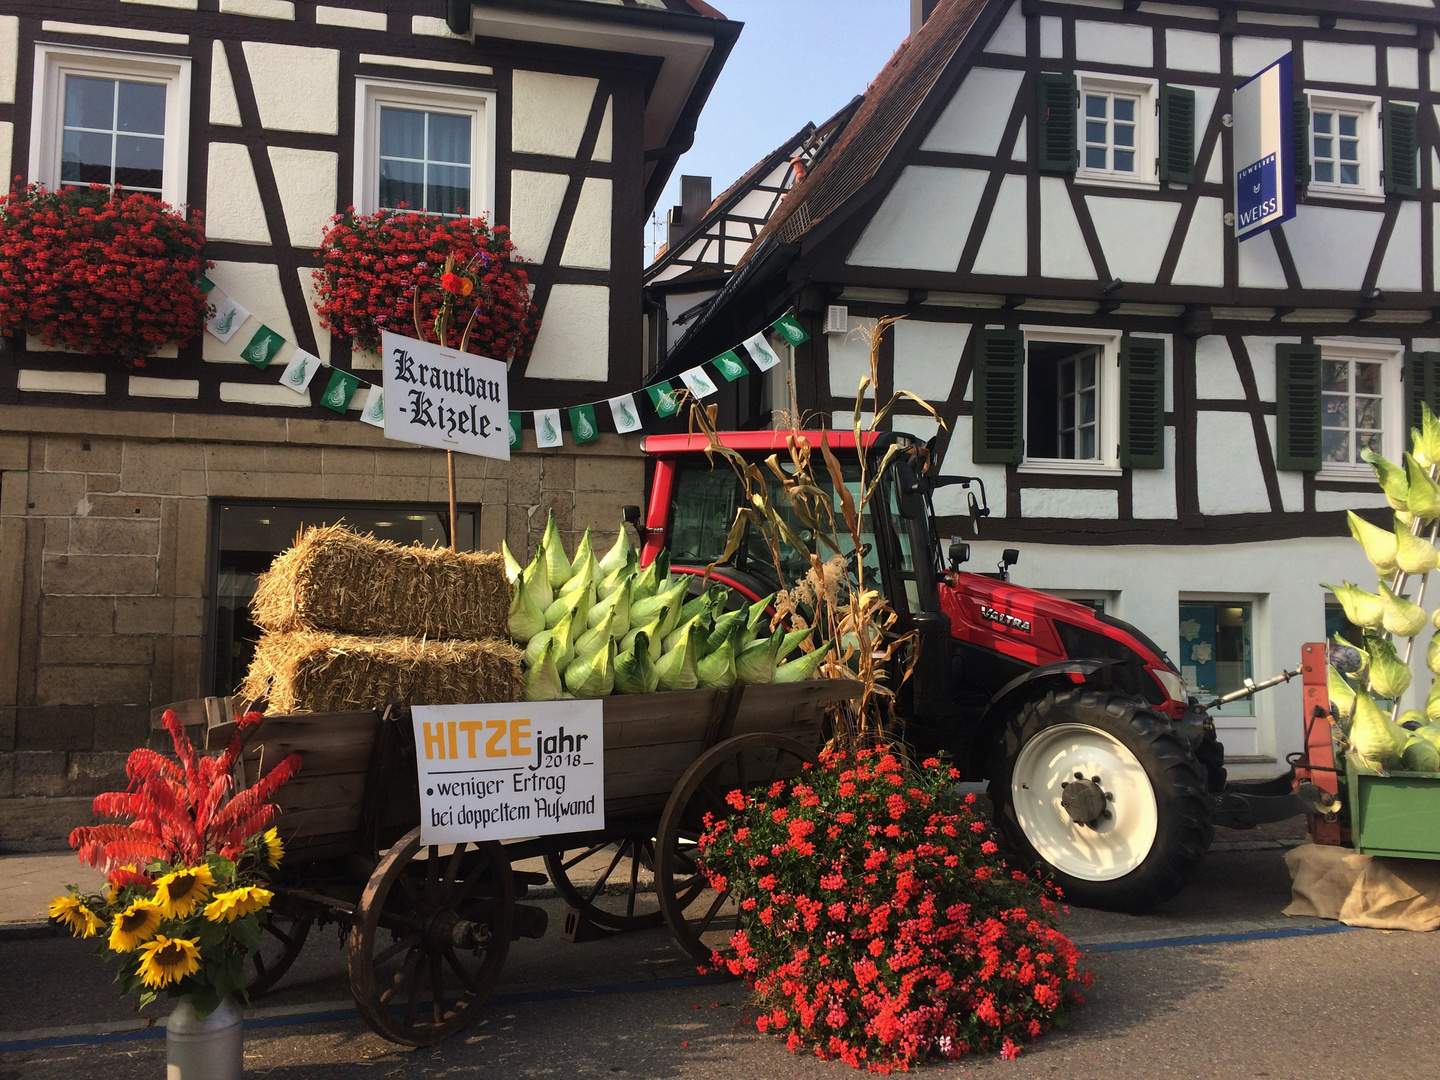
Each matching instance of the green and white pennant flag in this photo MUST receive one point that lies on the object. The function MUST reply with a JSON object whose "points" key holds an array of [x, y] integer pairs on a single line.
{"points": [[547, 429], [374, 410], [300, 371], [582, 424], [625, 413], [760, 351], [729, 364], [788, 327], [339, 391], [665, 399], [698, 383], [226, 319], [515, 431], [262, 347], [205, 285]]}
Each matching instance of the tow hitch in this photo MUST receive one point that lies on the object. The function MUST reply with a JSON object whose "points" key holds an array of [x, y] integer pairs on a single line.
{"points": [[1243, 805]]}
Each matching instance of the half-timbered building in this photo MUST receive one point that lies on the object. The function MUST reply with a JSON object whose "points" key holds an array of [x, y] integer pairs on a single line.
{"points": [[137, 505], [1167, 421]]}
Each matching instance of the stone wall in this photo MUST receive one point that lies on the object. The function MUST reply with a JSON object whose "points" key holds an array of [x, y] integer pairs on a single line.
{"points": [[104, 563]]}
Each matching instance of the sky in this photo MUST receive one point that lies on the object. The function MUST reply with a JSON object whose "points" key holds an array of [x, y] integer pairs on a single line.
{"points": [[795, 61]]}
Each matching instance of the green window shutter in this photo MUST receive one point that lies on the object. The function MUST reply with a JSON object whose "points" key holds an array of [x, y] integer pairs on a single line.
{"points": [[1059, 146], [999, 428], [1422, 383], [1297, 407], [1302, 143], [1177, 135], [1401, 146], [1142, 403]]}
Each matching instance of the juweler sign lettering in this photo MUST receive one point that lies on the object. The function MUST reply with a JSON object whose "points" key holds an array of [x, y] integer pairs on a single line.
{"points": [[450, 400]]}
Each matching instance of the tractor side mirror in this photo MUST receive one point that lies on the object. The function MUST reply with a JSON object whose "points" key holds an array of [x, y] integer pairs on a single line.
{"points": [[1008, 558], [631, 514], [959, 554]]}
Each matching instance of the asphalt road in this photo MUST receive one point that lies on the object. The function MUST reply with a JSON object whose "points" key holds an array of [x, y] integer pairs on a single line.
{"points": [[1204, 987]]}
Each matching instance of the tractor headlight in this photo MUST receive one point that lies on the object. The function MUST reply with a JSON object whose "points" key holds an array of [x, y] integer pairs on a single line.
{"points": [[1173, 684]]}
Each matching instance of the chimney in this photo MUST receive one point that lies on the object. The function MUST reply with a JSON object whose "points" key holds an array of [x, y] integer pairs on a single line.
{"points": [[694, 201], [920, 10]]}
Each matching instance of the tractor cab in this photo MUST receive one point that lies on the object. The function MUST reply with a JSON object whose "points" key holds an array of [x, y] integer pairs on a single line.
{"points": [[980, 640]]}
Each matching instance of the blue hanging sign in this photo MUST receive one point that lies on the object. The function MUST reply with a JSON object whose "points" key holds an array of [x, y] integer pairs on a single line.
{"points": [[1264, 141]]}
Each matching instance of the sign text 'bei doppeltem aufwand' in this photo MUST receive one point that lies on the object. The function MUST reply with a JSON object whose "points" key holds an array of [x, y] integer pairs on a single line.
{"points": [[498, 772], [439, 397]]}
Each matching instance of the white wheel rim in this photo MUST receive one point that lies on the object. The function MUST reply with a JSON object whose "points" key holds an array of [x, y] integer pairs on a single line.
{"points": [[1113, 846]]}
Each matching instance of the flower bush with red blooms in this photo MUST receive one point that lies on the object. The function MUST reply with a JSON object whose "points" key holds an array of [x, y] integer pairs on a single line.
{"points": [[878, 924], [372, 263], [102, 272]]}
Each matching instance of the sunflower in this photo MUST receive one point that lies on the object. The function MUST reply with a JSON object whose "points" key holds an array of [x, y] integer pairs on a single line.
{"points": [[134, 925], [73, 913], [168, 960], [274, 846], [181, 891], [229, 906]]}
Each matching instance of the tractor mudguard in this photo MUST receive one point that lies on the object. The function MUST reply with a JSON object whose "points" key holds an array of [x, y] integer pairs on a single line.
{"points": [[1011, 697]]}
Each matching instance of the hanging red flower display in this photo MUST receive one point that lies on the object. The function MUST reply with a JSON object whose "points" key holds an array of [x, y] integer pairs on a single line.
{"points": [[371, 265], [100, 271]]}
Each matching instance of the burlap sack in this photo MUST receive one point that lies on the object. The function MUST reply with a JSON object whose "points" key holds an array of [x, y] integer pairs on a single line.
{"points": [[1363, 890]]}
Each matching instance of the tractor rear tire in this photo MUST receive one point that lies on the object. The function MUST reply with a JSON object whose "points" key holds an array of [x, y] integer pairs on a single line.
{"points": [[1136, 826]]}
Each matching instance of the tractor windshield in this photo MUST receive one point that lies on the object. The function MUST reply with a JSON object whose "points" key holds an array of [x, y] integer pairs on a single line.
{"points": [[705, 503]]}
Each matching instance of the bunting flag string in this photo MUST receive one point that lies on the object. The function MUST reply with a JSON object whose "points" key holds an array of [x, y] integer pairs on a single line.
{"points": [[663, 398]]}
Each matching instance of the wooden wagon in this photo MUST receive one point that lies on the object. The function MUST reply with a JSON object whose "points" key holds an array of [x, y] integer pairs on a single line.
{"points": [[430, 927]]}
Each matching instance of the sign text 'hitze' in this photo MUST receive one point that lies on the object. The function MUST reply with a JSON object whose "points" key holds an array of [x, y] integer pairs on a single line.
{"points": [[443, 398], [496, 772]]}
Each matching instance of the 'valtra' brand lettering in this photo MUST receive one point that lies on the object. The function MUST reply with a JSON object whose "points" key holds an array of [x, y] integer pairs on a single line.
{"points": [[1004, 619]]}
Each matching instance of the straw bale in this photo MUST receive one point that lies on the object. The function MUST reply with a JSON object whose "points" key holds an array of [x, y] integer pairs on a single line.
{"points": [[334, 578], [316, 671]]}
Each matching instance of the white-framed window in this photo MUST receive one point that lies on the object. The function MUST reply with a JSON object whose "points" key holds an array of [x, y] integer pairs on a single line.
{"points": [[1118, 132], [431, 148], [1072, 400], [1361, 399], [102, 117], [1345, 145]]}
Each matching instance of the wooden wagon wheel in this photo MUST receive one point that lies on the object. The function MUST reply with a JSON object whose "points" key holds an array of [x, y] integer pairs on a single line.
{"points": [[702, 918], [630, 865], [449, 920], [282, 937]]}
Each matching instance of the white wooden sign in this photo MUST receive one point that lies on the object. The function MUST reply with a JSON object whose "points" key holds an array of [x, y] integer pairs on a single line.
{"points": [[498, 772], [443, 398]]}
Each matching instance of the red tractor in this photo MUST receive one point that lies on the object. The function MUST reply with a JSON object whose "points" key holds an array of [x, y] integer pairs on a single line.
{"points": [[1100, 768]]}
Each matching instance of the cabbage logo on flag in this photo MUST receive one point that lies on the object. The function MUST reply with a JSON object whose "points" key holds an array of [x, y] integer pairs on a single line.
{"points": [[665, 399], [514, 431], [225, 321], [623, 412], [295, 375], [790, 329], [582, 424], [375, 411]]}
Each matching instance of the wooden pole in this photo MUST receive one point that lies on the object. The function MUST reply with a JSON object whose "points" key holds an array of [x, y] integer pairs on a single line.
{"points": [[450, 469]]}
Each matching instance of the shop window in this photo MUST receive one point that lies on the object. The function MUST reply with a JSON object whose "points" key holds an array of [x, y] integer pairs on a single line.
{"points": [[100, 117], [1217, 651], [250, 535]]}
